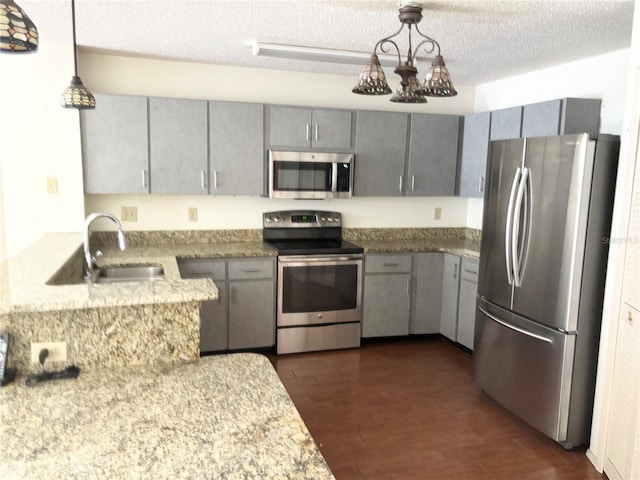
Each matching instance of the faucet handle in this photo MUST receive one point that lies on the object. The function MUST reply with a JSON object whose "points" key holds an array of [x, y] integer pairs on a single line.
{"points": [[98, 254]]}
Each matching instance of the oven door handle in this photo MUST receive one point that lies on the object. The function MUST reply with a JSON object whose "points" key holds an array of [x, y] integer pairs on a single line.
{"points": [[319, 258]]}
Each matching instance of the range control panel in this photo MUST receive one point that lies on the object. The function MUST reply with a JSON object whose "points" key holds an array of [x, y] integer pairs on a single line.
{"points": [[301, 219]]}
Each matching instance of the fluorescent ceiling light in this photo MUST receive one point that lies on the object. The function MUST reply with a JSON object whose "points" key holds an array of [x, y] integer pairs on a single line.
{"points": [[295, 52]]}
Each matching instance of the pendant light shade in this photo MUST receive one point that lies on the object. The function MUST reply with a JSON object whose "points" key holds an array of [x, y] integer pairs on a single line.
{"points": [[437, 83], [18, 34], [76, 95]]}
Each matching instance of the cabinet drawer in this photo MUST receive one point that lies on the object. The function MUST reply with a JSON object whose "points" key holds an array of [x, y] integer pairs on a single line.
{"points": [[198, 268], [244, 270], [387, 263], [469, 270]]}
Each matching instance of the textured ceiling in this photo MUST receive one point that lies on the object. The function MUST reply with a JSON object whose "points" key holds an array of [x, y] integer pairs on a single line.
{"points": [[481, 40]]}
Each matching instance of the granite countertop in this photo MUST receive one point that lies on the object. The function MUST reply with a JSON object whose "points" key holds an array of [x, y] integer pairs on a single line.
{"points": [[225, 416], [462, 247], [25, 278]]}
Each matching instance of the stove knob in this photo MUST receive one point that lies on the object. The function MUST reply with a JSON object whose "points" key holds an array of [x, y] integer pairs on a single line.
{"points": [[323, 219], [267, 220], [276, 219]]}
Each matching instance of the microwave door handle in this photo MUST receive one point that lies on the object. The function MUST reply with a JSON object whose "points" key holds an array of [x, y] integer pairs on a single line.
{"points": [[334, 178]]}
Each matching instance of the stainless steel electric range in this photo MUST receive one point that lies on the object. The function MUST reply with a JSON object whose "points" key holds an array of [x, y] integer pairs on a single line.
{"points": [[319, 300]]}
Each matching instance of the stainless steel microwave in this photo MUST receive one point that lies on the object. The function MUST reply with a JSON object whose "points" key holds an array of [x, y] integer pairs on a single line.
{"points": [[312, 175]]}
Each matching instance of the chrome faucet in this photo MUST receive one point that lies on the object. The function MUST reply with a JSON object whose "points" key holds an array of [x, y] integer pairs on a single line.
{"points": [[90, 259]]}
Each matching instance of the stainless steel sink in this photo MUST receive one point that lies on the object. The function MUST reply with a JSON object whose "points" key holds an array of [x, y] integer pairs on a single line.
{"points": [[127, 273]]}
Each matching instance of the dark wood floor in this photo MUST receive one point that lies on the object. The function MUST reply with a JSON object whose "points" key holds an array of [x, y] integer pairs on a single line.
{"points": [[409, 410]]}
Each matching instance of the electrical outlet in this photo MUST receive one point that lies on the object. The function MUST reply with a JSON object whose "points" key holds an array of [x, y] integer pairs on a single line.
{"points": [[52, 185], [437, 213], [129, 214], [57, 351], [192, 214]]}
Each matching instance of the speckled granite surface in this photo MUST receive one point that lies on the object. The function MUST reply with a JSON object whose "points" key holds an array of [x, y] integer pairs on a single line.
{"points": [[458, 241], [224, 417]]}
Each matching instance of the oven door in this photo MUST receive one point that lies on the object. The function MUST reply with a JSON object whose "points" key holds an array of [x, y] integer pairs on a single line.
{"points": [[319, 289]]}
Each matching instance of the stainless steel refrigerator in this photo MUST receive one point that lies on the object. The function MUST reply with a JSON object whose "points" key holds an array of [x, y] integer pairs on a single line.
{"points": [[547, 216]]}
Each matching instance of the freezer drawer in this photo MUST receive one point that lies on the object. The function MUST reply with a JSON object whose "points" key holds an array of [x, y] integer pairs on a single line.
{"points": [[525, 367]]}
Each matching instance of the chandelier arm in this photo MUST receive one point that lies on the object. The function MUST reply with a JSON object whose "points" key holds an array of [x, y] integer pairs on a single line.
{"points": [[381, 45], [428, 49]]}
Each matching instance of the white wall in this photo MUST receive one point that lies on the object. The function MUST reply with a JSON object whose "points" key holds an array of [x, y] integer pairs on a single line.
{"points": [[38, 139], [603, 76]]}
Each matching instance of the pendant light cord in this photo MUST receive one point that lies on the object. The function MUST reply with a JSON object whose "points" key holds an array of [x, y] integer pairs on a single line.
{"points": [[73, 27]]}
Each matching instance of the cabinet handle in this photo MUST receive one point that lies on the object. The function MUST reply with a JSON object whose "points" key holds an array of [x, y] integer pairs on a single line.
{"points": [[233, 295], [317, 130], [308, 131], [409, 286], [413, 183], [203, 180], [251, 270], [220, 294], [481, 185], [473, 272], [455, 270], [201, 272], [215, 179], [390, 264], [400, 185], [144, 178]]}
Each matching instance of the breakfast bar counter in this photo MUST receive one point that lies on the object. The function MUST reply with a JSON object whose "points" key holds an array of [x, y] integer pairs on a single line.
{"points": [[225, 416]]}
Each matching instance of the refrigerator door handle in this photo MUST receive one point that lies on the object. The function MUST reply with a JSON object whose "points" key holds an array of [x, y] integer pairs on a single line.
{"points": [[516, 255], [526, 233], [508, 247], [517, 329]]}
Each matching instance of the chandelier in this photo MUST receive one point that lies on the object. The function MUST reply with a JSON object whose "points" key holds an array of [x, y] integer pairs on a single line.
{"points": [[437, 83]]}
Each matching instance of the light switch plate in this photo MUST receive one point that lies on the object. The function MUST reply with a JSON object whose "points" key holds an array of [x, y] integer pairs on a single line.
{"points": [[52, 185], [129, 214], [437, 213], [192, 214]]}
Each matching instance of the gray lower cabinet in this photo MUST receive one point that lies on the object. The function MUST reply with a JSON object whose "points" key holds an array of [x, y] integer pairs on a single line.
{"points": [[467, 302], [244, 315], [236, 146], [305, 128], [506, 123], [427, 292], [475, 149], [561, 117], [387, 295], [115, 153], [381, 150], [178, 147], [433, 155], [450, 289]]}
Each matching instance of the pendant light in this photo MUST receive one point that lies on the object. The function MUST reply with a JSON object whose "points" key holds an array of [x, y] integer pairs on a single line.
{"points": [[76, 95], [437, 83], [18, 34]]}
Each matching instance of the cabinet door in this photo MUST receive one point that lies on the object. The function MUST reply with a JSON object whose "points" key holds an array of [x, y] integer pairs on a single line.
{"points": [[467, 303], [381, 146], [450, 286], [386, 305], [289, 127], [178, 145], [115, 154], [475, 148], [236, 148], [625, 401], [214, 334], [541, 119], [332, 129], [506, 123], [433, 155], [251, 314], [427, 292], [580, 115]]}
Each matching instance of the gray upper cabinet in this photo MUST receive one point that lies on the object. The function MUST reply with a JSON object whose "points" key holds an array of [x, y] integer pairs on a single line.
{"points": [[381, 140], [427, 292], [115, 152], [475, 148], [304, 128], [178, 145], [506, 123], [561, 117], [236, 153], [433, 155]]}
